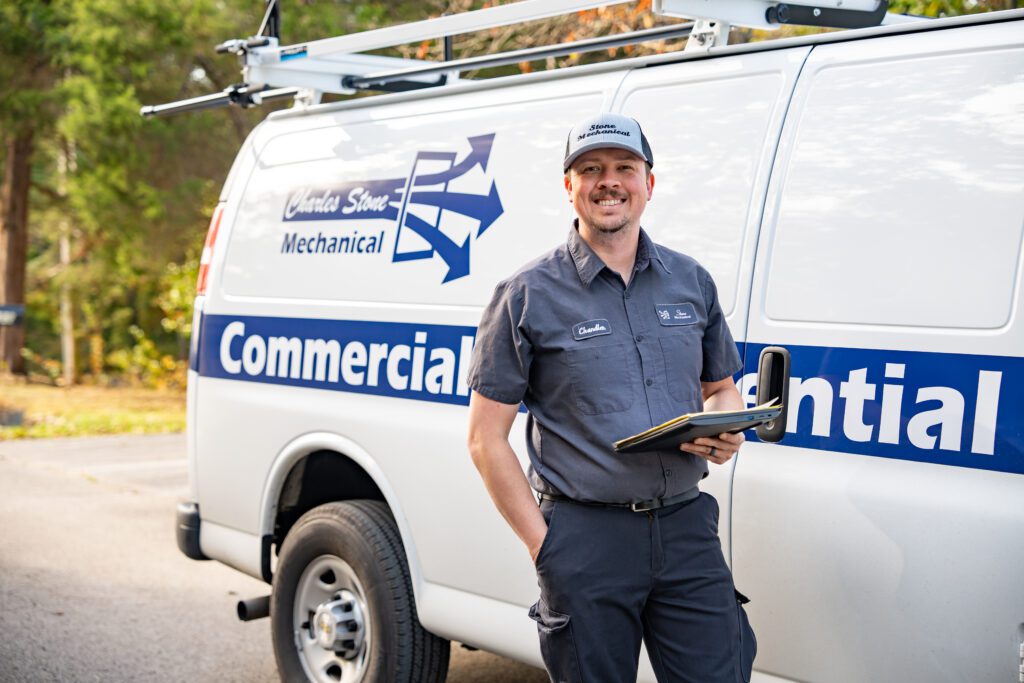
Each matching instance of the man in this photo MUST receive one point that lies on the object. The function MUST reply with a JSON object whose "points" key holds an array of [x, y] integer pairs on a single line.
{"points": [[602, 338]]}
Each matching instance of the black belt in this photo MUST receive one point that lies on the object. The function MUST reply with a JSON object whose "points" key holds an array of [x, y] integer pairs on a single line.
{"points": [[642, 506]]}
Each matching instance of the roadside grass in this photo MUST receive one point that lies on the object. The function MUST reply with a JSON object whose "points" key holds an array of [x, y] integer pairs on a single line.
{"points": [[48, 411]]}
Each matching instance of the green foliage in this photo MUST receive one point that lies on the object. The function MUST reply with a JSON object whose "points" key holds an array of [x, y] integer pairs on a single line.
{"points": [[30, 34], [177, 291], [133, 196], [143, 364]]}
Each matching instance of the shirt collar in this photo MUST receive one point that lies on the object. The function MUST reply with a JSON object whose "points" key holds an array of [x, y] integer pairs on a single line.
{"points": [[589, 264], [646, 252]]}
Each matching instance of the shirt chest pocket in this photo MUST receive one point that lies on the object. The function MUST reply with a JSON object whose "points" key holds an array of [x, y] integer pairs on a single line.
{"points": [[600, 377], [684, 362]]}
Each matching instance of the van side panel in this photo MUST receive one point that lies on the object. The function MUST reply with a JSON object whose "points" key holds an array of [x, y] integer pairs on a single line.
{"points": [[880, 540]]}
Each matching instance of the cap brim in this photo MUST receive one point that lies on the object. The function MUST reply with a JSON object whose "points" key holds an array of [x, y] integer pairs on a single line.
{"points": [[602, 144]]}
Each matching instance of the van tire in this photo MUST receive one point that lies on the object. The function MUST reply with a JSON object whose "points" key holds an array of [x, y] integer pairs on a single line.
{"points": [[361, 535]]}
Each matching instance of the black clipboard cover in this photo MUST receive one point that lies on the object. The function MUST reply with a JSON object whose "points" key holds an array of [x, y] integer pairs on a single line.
{"points": [[686, 428]]}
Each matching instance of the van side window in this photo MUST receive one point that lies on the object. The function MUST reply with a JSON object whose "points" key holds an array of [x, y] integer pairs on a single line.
{"points": [[904, 171]]}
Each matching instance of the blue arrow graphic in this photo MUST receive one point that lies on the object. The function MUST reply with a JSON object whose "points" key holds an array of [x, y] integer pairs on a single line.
{"points": [[455, 256], [480, 152], [485, 208]]}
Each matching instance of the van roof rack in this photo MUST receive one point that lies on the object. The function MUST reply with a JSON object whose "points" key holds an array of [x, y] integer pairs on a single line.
{"points": [[305, 71]]}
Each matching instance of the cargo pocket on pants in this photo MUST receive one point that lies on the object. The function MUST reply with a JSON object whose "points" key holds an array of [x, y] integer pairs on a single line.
{"points": [[748, 642], [557, 646]]}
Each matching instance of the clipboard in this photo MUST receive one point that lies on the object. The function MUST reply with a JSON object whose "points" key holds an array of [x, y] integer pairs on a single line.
{"points": [[686, 428]]}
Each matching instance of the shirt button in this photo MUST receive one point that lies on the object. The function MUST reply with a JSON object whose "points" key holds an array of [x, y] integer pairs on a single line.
{"points": [[650, 382], [627, 295], [668, 473], [639, 337]]}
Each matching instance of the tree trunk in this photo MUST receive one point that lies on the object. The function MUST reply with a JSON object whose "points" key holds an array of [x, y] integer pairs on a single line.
{"points": [[14, 242], [66, 165], [67, 319], [96, 353]]}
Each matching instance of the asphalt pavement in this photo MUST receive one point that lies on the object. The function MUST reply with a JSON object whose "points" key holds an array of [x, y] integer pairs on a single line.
{"points": [[93, 587]]}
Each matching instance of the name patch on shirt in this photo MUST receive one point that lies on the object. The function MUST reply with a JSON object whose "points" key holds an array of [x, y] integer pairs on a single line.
{"points": [[676, 314], [591, 328]]}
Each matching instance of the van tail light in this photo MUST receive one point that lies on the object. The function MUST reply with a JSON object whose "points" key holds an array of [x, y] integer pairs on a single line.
{"points": [[207, 256], [197, 328]]}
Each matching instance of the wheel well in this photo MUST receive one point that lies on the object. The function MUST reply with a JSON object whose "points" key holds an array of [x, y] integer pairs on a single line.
{"points": [[320, 477]]}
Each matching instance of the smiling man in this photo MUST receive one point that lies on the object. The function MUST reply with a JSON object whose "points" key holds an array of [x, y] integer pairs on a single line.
{"points": [[601, 338]]}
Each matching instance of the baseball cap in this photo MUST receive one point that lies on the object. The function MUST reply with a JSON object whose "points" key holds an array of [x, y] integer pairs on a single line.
{"points": [[607, 130]]}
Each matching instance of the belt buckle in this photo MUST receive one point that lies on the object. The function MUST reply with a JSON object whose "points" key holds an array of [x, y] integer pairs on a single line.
{"points": [[645, 505]]}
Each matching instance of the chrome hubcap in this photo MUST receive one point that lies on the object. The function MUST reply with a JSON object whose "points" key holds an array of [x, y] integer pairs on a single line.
{"points": [[332, 626], [339, 625]]}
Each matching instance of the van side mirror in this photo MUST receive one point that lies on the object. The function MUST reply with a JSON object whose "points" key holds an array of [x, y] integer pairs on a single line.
{"points": [[773, 383]]}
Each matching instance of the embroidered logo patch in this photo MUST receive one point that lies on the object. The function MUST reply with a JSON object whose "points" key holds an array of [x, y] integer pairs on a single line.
{"points": [[591, 328], [676, 314]]}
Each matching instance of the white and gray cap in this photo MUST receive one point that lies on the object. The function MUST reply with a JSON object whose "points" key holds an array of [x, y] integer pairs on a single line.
{"points": [[607, 130]]}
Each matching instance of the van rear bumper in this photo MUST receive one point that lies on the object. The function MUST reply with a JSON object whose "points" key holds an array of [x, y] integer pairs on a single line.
{"points": [[187, 531]]}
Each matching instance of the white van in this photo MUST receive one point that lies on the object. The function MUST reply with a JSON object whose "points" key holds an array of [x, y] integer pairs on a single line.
{"points": [[859, 200]]}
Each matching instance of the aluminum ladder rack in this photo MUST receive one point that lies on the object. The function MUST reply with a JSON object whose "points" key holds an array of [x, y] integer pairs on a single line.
{"points": [[305, 71]]}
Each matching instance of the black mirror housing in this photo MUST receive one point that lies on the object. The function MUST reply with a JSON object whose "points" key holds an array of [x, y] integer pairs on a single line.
{"points": [[773, 383]]}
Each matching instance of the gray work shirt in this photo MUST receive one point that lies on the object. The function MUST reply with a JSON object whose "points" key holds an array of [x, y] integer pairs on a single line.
{"points": [[595, 361]]}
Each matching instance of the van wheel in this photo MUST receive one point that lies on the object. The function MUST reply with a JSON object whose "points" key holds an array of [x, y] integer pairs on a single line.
{"points": [[342, 608]]}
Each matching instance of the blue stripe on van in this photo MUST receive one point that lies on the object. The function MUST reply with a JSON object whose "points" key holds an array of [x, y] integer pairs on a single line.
{"points": [[422, 362], [942, 408]]}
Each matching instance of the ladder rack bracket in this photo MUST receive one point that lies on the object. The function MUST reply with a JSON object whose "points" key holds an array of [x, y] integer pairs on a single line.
{"points": [[293, 67], [769, 14], [706, 35]]}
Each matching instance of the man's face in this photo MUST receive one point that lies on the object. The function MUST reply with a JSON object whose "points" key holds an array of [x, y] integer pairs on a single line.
{"points": [[609, 188]]}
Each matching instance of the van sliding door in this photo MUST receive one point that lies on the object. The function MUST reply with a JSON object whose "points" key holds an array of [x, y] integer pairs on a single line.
{"points": [[881, 539]]}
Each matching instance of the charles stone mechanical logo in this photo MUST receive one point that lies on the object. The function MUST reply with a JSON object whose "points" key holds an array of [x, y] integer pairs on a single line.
{"points": [[427, 216]]}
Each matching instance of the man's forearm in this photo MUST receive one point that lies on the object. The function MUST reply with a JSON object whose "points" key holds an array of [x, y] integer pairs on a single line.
{"points": [[726, 398], [503, 476]]}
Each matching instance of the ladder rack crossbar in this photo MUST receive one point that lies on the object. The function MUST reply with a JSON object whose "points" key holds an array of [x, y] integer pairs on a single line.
{"points": [[736, 12], [455, 24], [528, 54]]}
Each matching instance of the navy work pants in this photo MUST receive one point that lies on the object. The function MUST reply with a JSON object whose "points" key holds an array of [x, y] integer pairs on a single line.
{"points": [[610, 577]]}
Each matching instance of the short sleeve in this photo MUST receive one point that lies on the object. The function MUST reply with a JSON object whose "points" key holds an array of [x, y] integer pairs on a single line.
{"points": [[721, 359], [500, 366]]}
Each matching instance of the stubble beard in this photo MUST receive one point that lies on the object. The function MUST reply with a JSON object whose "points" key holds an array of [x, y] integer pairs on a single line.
{"points": [[604, 227], [611, 229]]}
